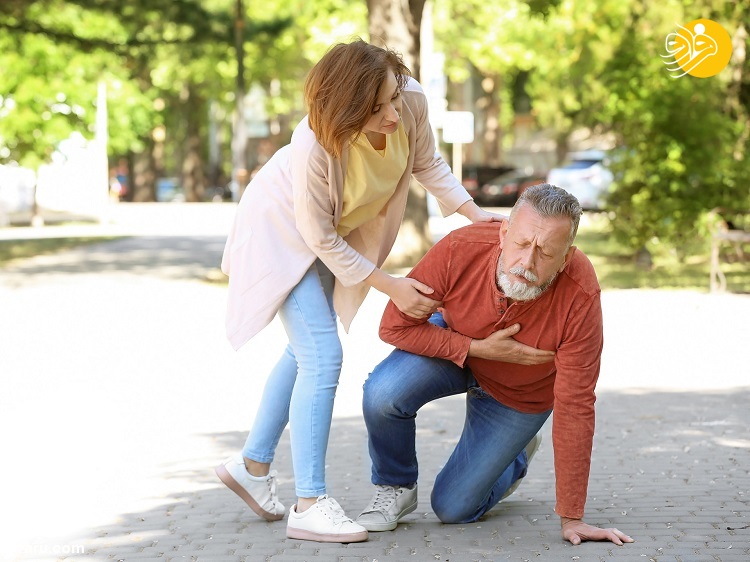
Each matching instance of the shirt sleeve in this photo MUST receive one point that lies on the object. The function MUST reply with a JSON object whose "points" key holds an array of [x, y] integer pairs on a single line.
{"points": [[578, 362], [418, 335], [313, 183]]}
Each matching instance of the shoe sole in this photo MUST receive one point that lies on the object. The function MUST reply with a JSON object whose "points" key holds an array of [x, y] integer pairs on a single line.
{"points": [[535, 447], [232, 484], [387, 525], [529, 455], [295, 533]]}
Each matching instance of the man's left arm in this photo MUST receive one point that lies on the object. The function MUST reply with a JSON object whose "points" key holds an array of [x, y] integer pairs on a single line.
{"points": [[578, 362]]}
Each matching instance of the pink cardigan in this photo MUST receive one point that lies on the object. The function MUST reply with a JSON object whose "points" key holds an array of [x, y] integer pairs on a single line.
{"points": [[288, 214]]}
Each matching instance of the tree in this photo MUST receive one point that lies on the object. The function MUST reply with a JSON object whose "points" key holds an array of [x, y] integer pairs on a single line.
{"points": [[167, 57], [596, 68], [685, 139]]}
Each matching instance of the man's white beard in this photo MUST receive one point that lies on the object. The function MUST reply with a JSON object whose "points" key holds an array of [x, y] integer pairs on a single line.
{"points": [[517, 290]]}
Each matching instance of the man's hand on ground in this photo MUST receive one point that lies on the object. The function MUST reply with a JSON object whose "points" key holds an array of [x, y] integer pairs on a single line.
{"points": [[500, 346], [576, 531]]}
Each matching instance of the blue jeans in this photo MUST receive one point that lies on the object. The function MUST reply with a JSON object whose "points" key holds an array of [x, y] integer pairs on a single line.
{"points": [[489, 456], [301, 387]]}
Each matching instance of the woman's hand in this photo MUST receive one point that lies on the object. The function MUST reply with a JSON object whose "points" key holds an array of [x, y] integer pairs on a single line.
{"points": [[475, 213], [409, 295]]}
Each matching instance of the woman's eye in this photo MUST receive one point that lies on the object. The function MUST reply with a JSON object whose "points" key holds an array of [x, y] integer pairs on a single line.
{"points": [[376, 109]]}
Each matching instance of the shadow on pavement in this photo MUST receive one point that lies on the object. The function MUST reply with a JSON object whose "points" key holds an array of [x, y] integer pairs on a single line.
{"points": [[671, 469], [166, 257]]}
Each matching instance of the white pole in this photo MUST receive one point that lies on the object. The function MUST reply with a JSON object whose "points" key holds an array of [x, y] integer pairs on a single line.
{"points": [[101, 139], [458, 160]]}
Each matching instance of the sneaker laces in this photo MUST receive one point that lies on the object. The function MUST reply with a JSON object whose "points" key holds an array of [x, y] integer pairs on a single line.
{"points": [[384, 498], [271, 481], [332, 509]]}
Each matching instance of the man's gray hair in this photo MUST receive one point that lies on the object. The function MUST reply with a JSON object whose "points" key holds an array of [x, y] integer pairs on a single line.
{"points": [[551, 201]]}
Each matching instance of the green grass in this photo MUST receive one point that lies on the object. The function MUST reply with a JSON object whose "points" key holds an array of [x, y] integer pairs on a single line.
{"points": [[617, 269], [17, 249]]}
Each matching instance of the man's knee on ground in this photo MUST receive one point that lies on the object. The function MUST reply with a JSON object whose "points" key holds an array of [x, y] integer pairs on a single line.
{"points": [[450, 509]]}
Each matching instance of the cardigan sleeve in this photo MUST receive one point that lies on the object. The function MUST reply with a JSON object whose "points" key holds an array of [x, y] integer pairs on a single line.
{"points": [[316, 180], [430, 169]]}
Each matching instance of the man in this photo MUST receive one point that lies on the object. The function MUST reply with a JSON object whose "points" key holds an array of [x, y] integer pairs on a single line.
{"points": [[520, 331]]}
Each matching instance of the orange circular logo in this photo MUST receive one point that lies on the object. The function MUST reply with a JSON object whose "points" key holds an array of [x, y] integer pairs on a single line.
{"points": [[701, 48]]}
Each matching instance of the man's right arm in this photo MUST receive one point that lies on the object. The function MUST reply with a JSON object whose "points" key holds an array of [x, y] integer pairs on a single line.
{"points": [[417, 335], [500, 346]]}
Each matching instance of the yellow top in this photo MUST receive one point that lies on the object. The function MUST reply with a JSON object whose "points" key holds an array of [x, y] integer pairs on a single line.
{"points": [[371, 178]]}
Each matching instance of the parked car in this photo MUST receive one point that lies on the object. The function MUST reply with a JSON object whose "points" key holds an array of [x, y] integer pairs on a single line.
{"points": [[585, 176], [169, 190], [504, 190], [474, 176]]}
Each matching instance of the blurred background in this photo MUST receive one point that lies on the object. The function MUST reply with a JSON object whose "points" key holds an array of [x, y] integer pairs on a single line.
{"points": [[104, 101]]}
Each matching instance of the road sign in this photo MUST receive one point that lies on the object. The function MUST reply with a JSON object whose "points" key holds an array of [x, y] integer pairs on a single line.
{"points": [[458, 127]]}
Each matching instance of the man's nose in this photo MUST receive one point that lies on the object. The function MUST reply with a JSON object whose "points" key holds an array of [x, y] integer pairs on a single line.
{"points": [[527, 260]]}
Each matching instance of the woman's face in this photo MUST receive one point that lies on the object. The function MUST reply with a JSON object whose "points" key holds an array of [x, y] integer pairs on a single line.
{"points": [[387, 111]]}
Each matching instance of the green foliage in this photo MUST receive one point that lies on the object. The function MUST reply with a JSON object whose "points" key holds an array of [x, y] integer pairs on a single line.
{"points": [[47, 91], [596, 67], [681, 144], [152, 55], [616, 268], [587, 65]]}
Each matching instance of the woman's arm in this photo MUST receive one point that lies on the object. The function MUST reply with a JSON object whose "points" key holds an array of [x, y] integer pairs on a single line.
{"points": [[432, 171]]}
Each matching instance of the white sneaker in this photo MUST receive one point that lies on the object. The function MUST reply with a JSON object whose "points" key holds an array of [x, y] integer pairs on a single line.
{"points": [[531, 450], [388, 506], [259, 492], [325, 521]]}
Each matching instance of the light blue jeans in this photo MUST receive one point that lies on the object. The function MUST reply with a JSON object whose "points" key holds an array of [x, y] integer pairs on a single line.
{"points": [[301, 387], [489, 456]]}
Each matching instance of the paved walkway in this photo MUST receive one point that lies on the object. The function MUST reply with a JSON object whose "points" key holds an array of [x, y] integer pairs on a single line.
{"points": [[120, 394]]}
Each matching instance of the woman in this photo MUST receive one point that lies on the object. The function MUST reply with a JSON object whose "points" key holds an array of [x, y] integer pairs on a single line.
{"points": [[312, 229]]}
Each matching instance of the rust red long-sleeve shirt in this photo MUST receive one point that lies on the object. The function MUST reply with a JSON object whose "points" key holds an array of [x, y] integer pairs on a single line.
{"points": [[566, 318]]}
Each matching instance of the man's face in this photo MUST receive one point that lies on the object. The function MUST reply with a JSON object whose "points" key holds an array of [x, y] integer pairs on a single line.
{"points": [[534, 252]]}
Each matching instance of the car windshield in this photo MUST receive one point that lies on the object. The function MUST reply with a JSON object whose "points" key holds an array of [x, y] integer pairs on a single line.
{"points": [[578, 164]]}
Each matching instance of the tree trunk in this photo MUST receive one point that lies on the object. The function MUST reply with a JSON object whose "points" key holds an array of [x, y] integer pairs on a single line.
{"points": [[193, 180], [240, 173], [492, 133], [145, 173], [396, 24]]}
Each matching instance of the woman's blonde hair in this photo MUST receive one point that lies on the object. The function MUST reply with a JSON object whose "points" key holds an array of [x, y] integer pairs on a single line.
{"points": [[342, 90]]}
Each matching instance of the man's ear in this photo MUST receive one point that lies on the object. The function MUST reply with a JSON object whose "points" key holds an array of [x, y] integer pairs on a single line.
{"points": [[504, 227], [568, 256]]}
